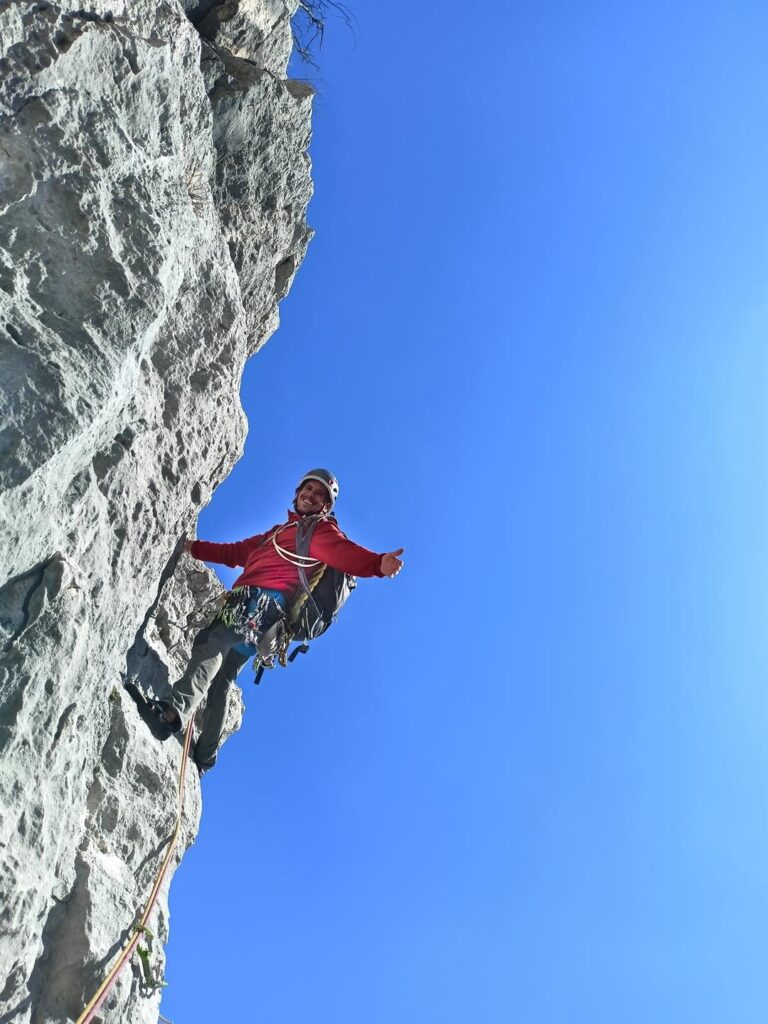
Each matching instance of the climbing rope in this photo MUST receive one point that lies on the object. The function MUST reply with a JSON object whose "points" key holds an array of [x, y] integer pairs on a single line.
{"points": [[303, 596], [300, 561], [138, 930]]}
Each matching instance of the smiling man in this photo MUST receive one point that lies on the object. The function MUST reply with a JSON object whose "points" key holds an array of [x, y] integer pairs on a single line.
{"points": [[257, 611]]}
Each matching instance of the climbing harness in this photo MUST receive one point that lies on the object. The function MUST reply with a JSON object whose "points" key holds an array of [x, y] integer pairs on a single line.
{"points": [[250, 612], [140, 928]]}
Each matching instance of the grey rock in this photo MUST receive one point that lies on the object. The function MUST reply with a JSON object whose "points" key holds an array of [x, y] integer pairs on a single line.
{"points": [[256, 29], [153, 191]]}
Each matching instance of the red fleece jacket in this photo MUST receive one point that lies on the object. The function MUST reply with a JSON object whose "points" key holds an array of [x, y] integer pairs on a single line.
{"points": [[265, 568]]}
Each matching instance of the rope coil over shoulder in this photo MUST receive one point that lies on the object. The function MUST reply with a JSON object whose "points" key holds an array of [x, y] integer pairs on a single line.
{"points": [[300, 561]]}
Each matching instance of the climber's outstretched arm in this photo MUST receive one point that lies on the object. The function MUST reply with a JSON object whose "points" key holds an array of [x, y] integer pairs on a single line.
{"points": [[233, 555]]}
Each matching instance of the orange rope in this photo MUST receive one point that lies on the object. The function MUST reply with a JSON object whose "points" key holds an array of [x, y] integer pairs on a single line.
{"points": [[127, 951]]}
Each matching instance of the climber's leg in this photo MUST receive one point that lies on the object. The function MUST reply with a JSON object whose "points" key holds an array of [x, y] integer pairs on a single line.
{"points": [[216, 710], [210, 648]]}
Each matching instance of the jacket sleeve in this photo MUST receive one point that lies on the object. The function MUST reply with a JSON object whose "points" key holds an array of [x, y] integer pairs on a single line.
{"points": [[234, 555], [329, 545]]}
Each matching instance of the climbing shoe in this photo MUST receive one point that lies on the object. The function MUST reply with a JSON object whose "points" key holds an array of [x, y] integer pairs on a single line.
{"points": [[163, 725], [152, 712], [201, 765]]}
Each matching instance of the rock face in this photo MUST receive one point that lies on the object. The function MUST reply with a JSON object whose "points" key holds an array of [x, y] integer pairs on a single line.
{"points": [[153, 187]]}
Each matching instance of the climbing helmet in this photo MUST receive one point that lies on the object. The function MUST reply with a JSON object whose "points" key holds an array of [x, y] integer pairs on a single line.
{"points": [[325, 477]]}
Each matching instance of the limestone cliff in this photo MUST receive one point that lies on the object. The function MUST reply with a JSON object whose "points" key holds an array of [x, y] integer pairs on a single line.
{"points": [[153, 187]]}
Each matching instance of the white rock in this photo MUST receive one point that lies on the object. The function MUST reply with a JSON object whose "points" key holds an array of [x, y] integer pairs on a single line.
{"points": [[153, 190]]}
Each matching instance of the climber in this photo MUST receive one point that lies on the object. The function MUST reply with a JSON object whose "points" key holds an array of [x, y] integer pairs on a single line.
{"points": [[257, 609]]}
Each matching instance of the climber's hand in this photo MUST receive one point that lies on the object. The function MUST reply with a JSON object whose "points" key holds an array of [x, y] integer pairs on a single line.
{"points": [[188, 545], [390, 564]]}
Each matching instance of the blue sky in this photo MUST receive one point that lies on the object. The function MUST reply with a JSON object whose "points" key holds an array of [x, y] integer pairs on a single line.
{"points": [[526, 779]]}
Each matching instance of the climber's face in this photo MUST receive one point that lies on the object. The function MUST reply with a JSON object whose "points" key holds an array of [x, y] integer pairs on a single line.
{"points": [[312, 498]]}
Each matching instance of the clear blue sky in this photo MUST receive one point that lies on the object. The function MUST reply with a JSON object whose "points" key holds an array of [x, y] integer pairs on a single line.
{"points": [[525, 781]]}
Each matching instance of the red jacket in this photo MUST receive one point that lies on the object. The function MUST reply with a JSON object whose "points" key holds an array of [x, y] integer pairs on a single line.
{"points": [[264, 567]]}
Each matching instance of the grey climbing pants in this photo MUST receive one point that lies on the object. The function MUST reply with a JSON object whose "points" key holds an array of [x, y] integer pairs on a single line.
{"points": [[214, 664]]}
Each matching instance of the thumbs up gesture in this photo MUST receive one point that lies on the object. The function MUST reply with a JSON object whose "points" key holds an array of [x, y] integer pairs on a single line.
{"points": [[391, 564]]}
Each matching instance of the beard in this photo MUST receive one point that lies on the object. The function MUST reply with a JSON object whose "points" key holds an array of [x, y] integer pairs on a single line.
{"points": [[314, 511]]}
